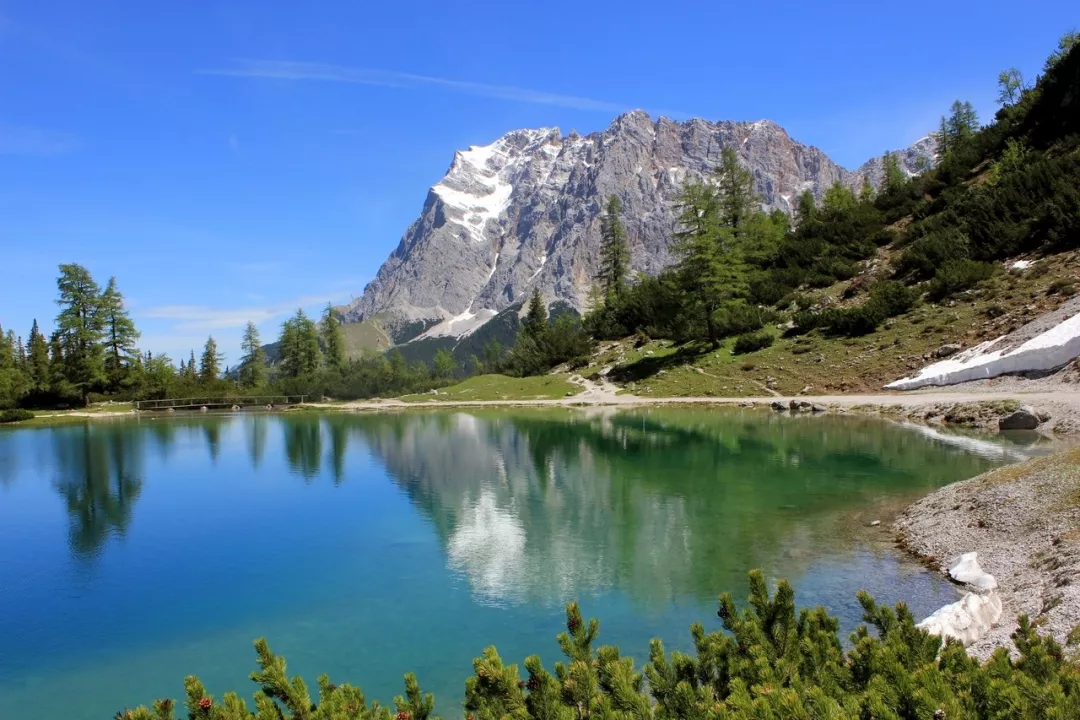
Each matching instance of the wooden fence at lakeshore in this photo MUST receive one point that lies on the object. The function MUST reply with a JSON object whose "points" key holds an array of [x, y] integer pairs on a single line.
{"points": [[196, 403]]}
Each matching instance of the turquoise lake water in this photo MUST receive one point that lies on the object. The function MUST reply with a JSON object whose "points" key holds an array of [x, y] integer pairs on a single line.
{"points": [[133, 553]]}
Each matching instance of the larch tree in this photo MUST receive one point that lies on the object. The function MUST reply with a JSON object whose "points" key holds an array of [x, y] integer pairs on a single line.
{"points": [[333, 340], [1010, 86], [14, 382], [299, 346], [1065, 43], [715, 235], [37, 359], [210, 362], [253, 369], [959, 127], [80, 327], [614, 251], [443, 365], [120, 333], [892, 176]]}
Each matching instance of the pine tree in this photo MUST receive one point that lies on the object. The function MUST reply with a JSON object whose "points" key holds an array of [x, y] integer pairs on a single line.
{"points": [[536, 319], [81, 329], [959, 127], [866, 191], [253, 362], [892, 176], [120, 333], [191, 372], [614, 251], [299, 346], [771, 659], [735, 192], [716, 237], [14, 382], [332, 339], [806, 208], [210, 363], [37, 359]]}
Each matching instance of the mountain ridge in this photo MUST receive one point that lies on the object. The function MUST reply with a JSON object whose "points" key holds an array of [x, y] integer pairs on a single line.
{"points": [[524, 212]]}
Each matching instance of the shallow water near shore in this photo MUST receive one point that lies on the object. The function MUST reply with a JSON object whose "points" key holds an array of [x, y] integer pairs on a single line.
{"points": [[135, 552]]}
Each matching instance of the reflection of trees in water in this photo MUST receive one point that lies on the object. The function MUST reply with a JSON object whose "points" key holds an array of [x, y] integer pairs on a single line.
{"points": [[659, 503], [8, 458], [255, 428], [338, 429], [303, 444], [100, 476]]}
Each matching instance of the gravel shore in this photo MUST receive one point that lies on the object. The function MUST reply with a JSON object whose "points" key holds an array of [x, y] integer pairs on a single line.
{"points": [[1024, 521]]}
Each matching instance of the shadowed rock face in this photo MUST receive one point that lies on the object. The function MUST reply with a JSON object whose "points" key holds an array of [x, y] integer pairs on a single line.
{"points": [[525, 211]]}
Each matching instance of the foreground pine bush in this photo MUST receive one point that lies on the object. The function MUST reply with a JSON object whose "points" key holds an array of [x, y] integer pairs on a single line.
{"points": [[770, 662]]}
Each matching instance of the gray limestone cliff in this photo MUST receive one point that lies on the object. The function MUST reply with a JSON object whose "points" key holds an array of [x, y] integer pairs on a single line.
{"points": [[525, 212]]}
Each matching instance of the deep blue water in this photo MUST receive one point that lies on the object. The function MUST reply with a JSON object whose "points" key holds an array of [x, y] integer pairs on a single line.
{"points": [[134, 553]]}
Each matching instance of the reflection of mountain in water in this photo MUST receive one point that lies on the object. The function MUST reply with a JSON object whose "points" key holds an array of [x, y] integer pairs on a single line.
{"points": [[657, 503]]}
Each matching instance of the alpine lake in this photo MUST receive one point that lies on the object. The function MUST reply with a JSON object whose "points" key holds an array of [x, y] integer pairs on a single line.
{"points": [[135, 552]]}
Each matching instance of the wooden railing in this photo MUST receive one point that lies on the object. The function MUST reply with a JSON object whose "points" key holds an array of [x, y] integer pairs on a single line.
{"points": [[218, 402]]}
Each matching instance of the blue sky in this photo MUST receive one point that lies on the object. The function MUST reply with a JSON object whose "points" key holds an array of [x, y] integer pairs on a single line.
{"points": [[235, 160]]}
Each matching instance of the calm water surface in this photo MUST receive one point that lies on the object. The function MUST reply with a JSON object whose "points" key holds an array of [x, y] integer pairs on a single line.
{"points": [[135, 553]]}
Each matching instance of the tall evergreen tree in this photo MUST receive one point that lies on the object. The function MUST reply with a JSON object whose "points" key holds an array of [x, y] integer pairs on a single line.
{"points": [[253, 362], [735, 192], [37, 359], [210, 363], [14, 382], [806, 207], [892, 176], [299, 345], [536, 319], [333, 340], [715, 238], [81, 329], [191, 372], [959, 127], [120, 332], [614, 251]]}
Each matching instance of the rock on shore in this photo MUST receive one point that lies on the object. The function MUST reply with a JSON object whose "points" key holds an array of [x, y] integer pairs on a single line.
{"points": [[1024, 522]]}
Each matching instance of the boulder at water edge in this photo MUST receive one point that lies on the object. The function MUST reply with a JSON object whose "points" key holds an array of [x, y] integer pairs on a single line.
{"points": [[1023, 419]]}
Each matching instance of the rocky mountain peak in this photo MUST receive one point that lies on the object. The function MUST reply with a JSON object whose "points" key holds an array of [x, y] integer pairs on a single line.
{"points": [[524, 212]]}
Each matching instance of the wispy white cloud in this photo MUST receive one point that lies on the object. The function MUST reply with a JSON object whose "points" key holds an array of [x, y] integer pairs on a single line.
{"points": [[203, 318], [27, 140], [310, 71]]}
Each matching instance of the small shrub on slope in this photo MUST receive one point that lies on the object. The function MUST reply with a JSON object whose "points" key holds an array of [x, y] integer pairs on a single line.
{"points": [[749, 342]]}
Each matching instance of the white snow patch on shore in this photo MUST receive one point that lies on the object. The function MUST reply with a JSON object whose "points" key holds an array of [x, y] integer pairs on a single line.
{"points": [[1048, 351], [967, 619], [971, 617]]}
